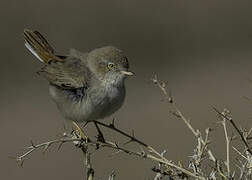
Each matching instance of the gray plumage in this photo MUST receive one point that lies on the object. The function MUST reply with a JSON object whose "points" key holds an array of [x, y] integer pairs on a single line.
{"points": [[85, 86]]}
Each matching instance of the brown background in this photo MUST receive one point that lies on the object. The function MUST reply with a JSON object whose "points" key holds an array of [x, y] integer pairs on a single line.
{"points": [[202, 48]]}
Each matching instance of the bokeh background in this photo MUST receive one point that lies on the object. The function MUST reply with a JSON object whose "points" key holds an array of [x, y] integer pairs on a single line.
{"points": [[202, 48]]}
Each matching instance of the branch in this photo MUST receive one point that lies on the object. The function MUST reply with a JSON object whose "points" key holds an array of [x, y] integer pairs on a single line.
{"points": [[227, 146], [131, 137], [155, 157], [179, 114], [82, 141], [244, 140], [112, 175], [169, 168], [90, 170], [44, 145]]}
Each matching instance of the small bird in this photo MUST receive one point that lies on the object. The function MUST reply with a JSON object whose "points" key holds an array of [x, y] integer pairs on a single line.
{"points": [[85, 86]]}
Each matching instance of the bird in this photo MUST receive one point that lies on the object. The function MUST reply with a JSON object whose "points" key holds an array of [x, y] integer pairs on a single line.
{"points": [[86, 86]]}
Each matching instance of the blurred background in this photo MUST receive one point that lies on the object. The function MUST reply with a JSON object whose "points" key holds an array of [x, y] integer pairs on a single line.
{"points": [[201, 48]]}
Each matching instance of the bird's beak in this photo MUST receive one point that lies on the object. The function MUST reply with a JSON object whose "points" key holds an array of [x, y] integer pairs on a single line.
{"points": [[128, 73]]}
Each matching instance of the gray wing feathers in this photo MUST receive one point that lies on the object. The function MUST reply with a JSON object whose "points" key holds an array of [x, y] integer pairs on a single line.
{"points": [[77, 54], [71, 73]]}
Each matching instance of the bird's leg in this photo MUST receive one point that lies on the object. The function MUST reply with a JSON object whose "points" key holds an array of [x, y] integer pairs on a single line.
{"points": [[86, 123], [100, 136]]}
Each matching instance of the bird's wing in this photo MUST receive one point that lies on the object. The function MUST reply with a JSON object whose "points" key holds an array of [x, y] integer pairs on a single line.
{"points": [[70, 73], [78, 55]]}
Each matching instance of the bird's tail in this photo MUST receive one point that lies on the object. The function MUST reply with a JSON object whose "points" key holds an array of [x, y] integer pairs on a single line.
{"points": [[39, 46]]}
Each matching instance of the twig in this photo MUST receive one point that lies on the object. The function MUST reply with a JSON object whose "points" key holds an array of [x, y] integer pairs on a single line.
{"points": [[131, 137], [227, 147], [159, 157], [166, 167], [108, 144], [180, 115], [236, 128], [90, 170], [112, 175], [44, 145], [236, 150], [83, 141]]}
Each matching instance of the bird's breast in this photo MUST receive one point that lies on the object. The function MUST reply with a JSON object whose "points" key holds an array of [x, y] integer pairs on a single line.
{"points": [[107, 99], [96, 103]]}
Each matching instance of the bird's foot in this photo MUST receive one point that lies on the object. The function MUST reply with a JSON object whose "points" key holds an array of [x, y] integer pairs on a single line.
{"points": [[85, 124], [100, 136]]}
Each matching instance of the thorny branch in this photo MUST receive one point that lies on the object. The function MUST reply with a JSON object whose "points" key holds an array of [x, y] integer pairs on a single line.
{"points": [[165, 166], [43, 146], [131, 137], [223, 122], [195, 165], [180, 115], [243, 138], [82, 141], [90, 170], [244, 165]]}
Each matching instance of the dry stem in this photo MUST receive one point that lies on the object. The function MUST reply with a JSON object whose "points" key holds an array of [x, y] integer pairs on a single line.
{"points": [[82, 141]]}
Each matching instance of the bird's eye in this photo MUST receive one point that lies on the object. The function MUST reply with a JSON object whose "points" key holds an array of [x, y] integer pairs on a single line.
{"points": [[111, 66]]}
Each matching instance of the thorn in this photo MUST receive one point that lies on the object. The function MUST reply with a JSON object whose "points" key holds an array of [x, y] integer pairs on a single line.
{"points": [[170, 99], [116, 145], [112, 124], [250, 131], [133, 134], [112, 175], [211, 129], [175, 114], [60, 145], [21, 163], [163, 153], [32, 144], [38, 73], [163, 84], [12, 157], [141, 149], [45, 149], [97, 146], [249, 138], [246, 98], [208, 142], [143, 153], [117, 152], [64, 134], [72, 132], [156, 170], [154, 79], [127, 142]]}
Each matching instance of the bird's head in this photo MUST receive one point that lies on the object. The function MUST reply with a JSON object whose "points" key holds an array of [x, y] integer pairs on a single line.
{"points": [[109, 64]]}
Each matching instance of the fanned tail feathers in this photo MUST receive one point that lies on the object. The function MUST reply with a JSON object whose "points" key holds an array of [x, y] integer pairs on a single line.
{"points": [[39, 46]]}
